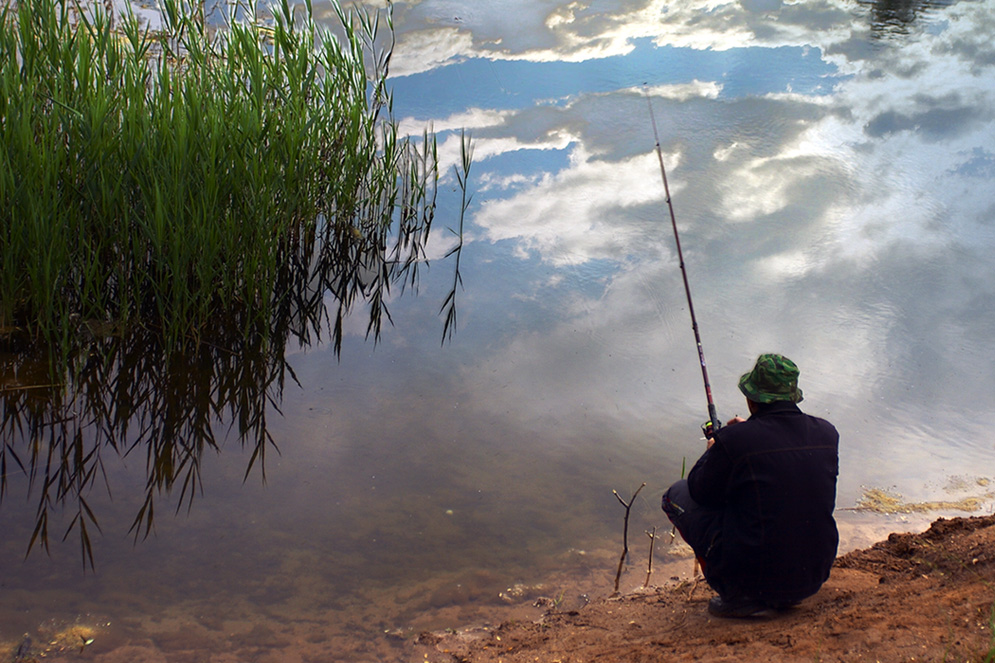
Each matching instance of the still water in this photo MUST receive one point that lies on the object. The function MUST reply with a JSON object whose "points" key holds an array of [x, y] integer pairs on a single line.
{"points": [[830, 165]]}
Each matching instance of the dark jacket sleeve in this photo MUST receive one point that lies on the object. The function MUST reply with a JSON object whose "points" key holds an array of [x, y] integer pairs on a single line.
{"points": [[709, 478]]}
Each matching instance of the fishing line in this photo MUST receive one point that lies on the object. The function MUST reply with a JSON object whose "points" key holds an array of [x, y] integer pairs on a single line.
{"points": [[713, 423]]}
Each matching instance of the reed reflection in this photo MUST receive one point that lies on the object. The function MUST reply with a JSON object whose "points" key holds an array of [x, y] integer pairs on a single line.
{"points": [[122, 395], [129, 391], [126, 392]]}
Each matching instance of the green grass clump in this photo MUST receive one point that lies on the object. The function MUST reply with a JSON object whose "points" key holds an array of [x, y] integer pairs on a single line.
{"points": [[176, 207], [166, 178]]}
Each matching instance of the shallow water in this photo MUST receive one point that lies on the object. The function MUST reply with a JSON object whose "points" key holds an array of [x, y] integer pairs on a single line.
{"points": [[830, 166]]}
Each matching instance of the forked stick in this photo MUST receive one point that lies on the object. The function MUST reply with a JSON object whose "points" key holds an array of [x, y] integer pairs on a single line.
{"points": [[625, 532]]}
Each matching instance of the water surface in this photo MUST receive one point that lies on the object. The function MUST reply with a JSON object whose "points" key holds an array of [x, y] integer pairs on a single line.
{"points": [[830, 165]]}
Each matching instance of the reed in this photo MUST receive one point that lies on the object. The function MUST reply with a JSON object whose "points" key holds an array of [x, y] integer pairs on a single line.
{"points": [[176, 207], [163, 178]]}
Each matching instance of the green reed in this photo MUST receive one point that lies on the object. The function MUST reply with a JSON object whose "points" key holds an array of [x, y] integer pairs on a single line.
{"points": [[175, 208], [162, 178]]}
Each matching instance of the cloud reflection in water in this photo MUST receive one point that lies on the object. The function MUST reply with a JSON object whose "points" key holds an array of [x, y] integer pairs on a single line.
{"points": [[826, 189]]}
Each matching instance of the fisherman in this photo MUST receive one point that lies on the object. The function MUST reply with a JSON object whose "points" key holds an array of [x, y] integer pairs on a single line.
{"points": [[757, 507]]}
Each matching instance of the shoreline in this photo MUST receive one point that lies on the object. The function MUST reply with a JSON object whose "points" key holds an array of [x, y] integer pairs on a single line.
{"points": [[921, 595]]}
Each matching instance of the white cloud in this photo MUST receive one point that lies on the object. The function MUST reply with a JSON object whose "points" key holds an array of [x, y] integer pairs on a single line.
{"points": [[686, 91], [573, 216], [758, 188], [435, 32], [425, 50], [473, 118]]}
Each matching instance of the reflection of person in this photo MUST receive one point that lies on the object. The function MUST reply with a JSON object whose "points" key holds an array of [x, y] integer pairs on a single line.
{"points": [[757, 507]]}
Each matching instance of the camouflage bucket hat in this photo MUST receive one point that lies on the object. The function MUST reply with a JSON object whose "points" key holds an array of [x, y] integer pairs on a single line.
{"points": [[773, 378]]}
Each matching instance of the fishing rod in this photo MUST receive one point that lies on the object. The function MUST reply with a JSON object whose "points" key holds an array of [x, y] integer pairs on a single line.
{"points": [[713, 424]]}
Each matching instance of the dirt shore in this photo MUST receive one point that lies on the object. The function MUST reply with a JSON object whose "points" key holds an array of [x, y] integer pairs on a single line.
{"points": [[914, 597]]}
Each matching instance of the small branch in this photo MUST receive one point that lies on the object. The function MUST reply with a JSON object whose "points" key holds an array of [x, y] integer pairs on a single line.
{"points": [[625, 532], [694, 580], [649, 565], [694, 577]]}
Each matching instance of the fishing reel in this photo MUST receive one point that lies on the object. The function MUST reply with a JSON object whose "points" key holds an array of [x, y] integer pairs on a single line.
{"points": [[708, 429]]}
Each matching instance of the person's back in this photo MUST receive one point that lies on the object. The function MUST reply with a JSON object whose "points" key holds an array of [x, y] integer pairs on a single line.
{"points": [[757, 508], [774, 479]]}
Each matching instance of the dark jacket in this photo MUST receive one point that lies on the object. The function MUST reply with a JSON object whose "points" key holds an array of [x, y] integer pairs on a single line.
{"points": [[774, 479]]}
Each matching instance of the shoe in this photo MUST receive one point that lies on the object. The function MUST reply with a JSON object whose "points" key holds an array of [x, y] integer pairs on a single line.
{"points": [[737, 608]]}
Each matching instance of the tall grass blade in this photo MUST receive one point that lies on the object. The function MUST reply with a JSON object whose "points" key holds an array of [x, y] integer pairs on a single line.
{"points": [[176, 207]]}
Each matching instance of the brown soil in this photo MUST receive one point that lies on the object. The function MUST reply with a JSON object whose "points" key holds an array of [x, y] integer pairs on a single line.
{"points": [[914, 597]]}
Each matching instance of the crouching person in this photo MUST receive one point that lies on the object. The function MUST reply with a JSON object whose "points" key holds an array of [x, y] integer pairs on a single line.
{"points": [[757, 507]]}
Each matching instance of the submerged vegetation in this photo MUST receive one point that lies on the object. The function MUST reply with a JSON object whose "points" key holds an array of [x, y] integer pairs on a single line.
{"points": [[881, 501], [176, 206]]}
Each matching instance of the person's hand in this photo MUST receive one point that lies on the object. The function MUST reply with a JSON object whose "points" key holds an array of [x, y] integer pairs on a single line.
{"points": [[709, 442], [735, 420]]}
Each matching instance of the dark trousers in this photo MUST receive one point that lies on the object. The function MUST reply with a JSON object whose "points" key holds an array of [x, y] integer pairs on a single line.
{"points": [[701, 528]]}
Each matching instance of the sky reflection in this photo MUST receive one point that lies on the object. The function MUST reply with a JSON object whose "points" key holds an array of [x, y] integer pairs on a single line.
{"points": [[830, 187]]}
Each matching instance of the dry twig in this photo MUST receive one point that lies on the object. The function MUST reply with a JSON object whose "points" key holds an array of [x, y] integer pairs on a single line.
{"points": [[649, 565], [625, 532]]}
